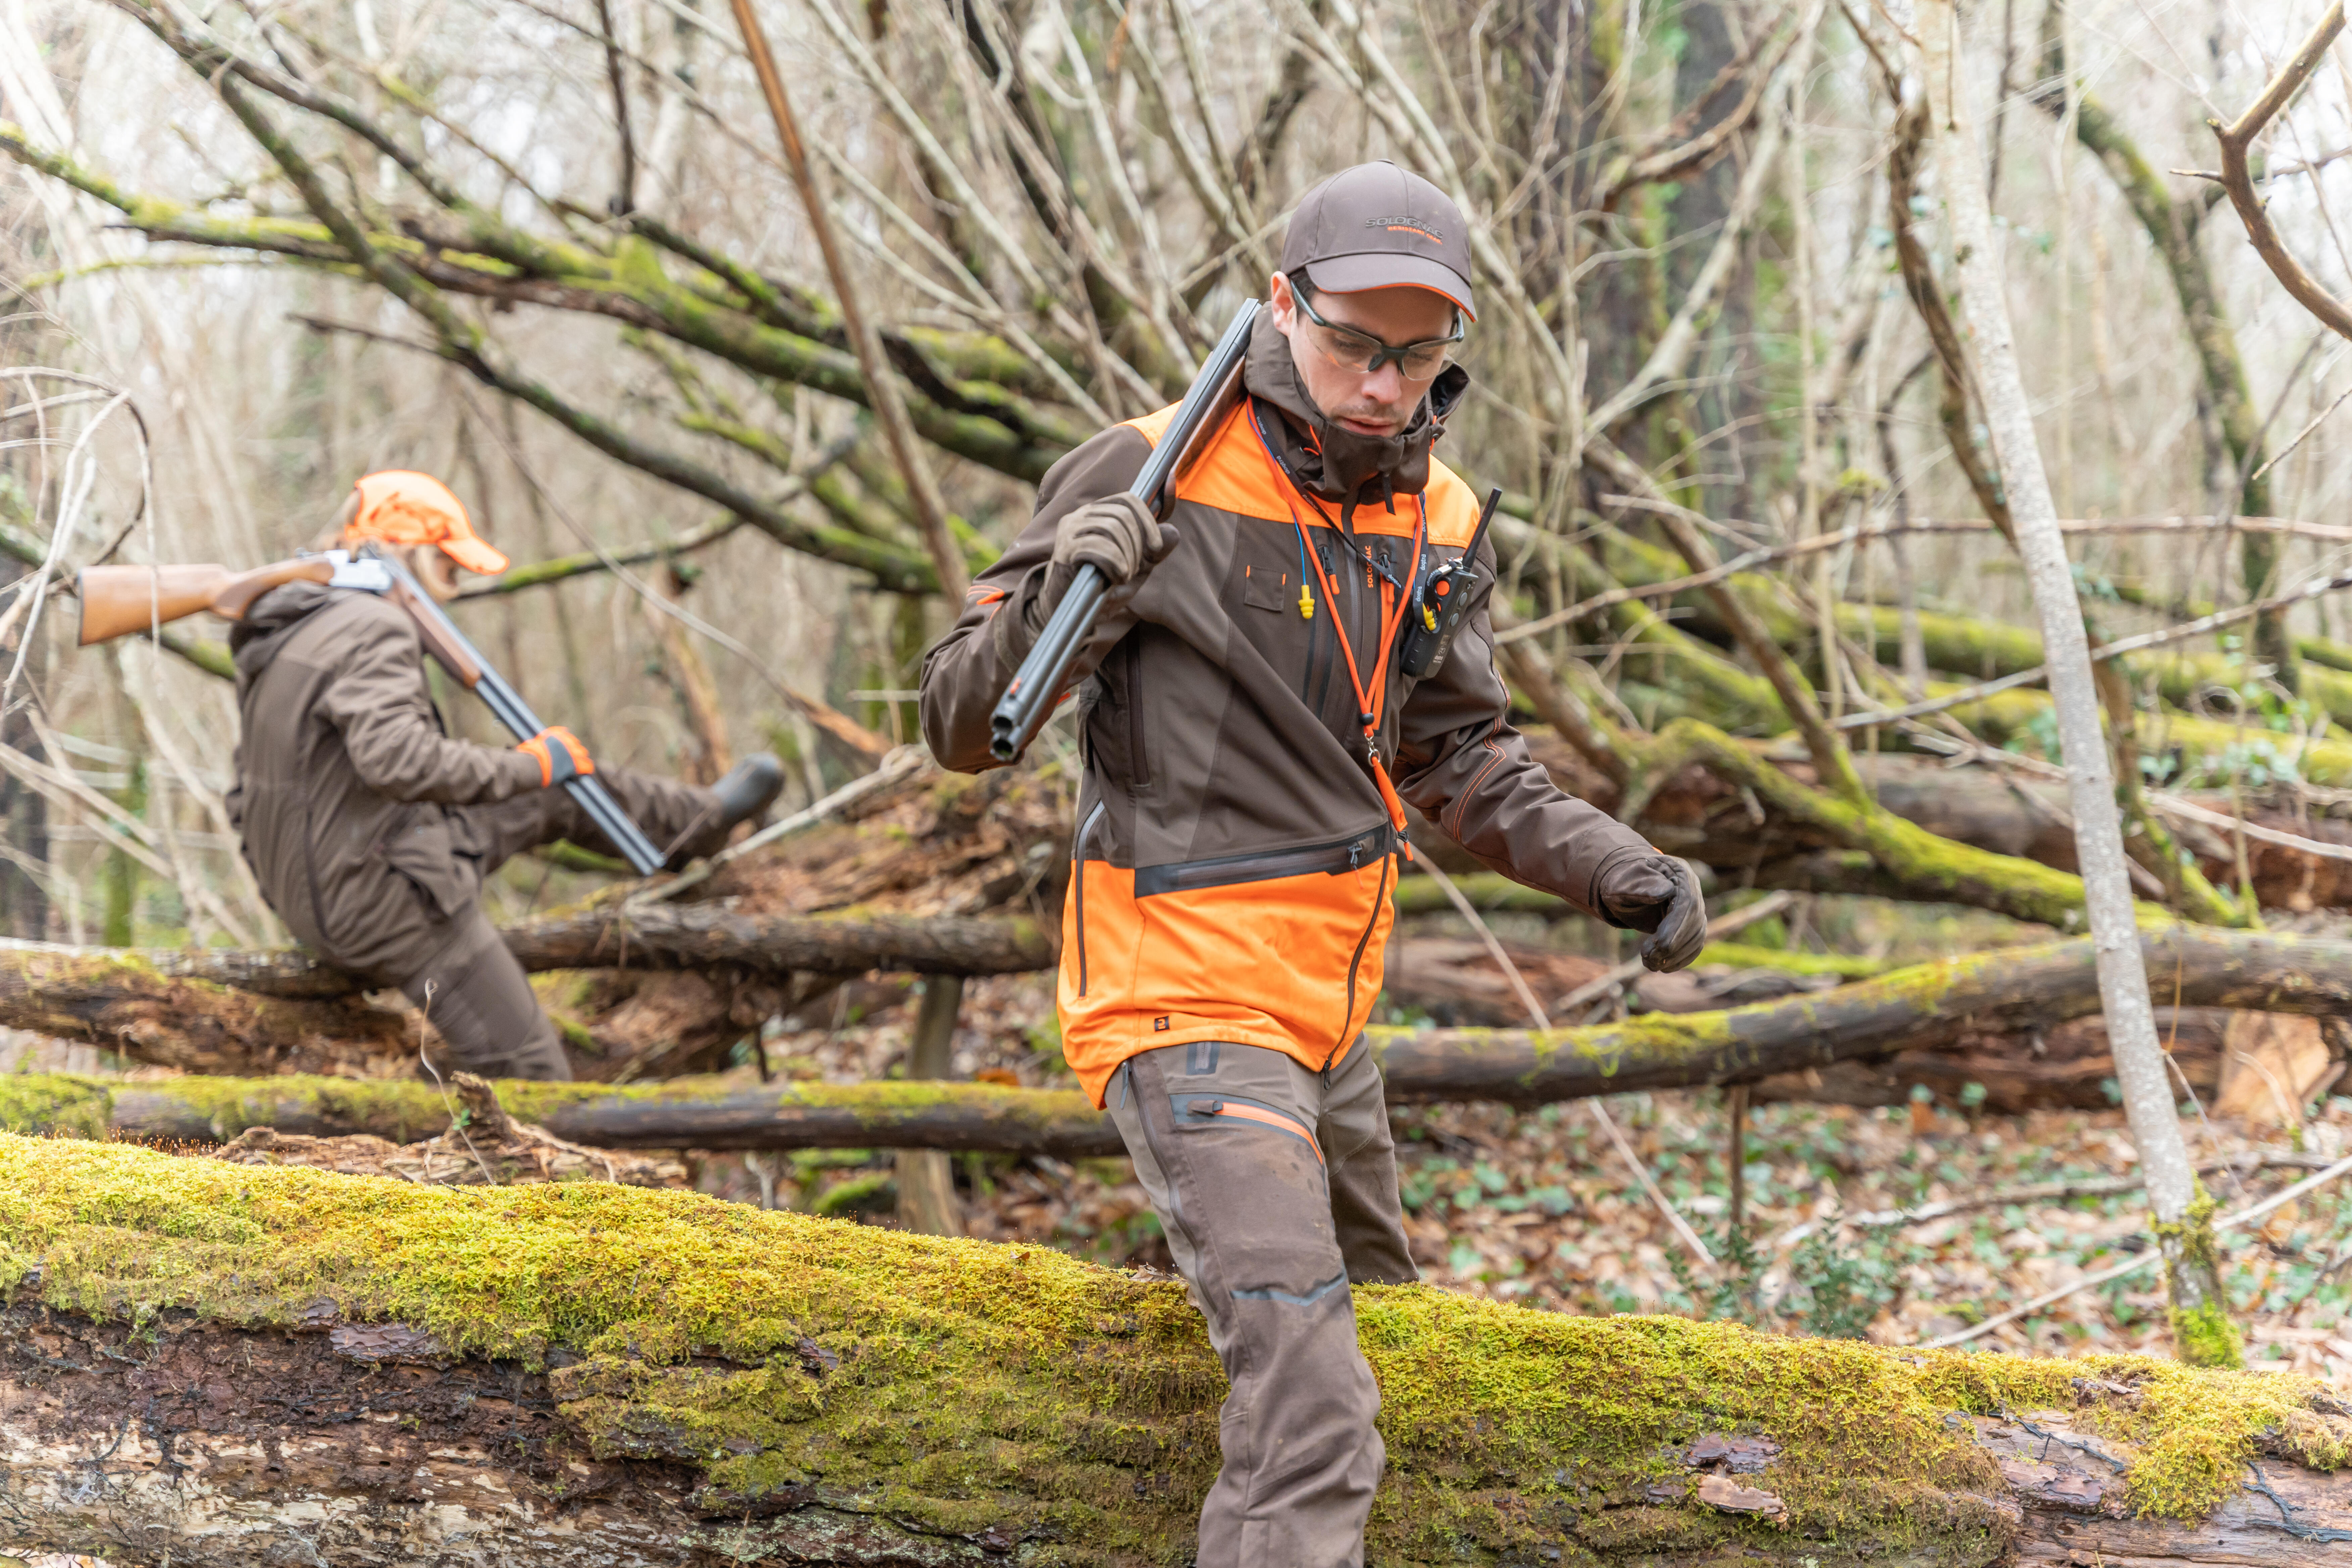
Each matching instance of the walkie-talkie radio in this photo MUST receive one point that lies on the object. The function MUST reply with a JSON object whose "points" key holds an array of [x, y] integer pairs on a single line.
{"points": [[1442, 602]]}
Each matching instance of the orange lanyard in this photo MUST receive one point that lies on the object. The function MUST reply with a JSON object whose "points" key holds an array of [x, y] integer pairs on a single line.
{"points": [[1393, 609]]}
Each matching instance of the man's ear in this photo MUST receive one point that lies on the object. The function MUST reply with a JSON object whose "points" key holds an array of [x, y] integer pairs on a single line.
{"points": [[1283, 302]]}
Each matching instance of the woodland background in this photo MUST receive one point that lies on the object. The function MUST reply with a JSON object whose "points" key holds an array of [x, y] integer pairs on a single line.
{"points": [[1714, 262]]}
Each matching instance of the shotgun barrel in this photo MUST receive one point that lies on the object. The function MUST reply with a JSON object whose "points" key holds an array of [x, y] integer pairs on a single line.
{"points": [[1038, 684], [465, 662], [116, 600]]}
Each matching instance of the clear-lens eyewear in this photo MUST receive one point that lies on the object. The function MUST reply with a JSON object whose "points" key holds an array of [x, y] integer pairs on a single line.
{"points": [[1364, 354]]}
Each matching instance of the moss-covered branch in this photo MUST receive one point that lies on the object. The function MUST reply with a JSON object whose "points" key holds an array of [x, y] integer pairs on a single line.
{"points": [[474, 254], [585, 1373], [1925, 1004]]}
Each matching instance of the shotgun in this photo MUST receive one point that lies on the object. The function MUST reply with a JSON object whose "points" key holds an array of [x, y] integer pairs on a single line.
{"points": [[1038, 684], [119, 599]]}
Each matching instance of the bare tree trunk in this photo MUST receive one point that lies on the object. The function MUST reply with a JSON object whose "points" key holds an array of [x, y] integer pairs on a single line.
{"points": [[2202, 1328], [927, 1195]]}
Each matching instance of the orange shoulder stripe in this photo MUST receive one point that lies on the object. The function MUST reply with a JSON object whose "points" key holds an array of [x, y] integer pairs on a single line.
{"points": [[1452, 507], [1234, 476]]}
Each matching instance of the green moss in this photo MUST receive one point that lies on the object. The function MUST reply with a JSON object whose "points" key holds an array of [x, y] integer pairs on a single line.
{"points": [[956, 1383], [862, 1194], [1845, 966], [2202, 1332], [55, 1102]]}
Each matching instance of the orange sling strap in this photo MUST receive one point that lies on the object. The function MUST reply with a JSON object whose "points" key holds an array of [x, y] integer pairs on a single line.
{"points": [[1393, 609]]}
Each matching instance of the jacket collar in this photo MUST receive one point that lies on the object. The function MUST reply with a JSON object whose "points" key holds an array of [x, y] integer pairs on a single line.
{"points": [[255, 640], [1328, 460]]}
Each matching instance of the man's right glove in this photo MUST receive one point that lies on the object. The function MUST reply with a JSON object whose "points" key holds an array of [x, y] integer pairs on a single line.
{"points": [[1118, 535], [1658, 894], [559, 753]]}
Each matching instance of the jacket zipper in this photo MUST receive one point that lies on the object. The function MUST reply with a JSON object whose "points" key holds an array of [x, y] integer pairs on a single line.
{"points": [[1225, 871], [1078, 888], [1317, 692], [1388, 863], [1138, 763]]}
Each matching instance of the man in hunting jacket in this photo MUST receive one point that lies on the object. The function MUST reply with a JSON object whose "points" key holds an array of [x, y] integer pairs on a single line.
{"points": [[371, 830], [1249, 742]]}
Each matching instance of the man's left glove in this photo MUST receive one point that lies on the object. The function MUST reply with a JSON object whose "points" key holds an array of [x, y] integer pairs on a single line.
{"points": [[559, 753], [1658, 894], [1117, 535]]}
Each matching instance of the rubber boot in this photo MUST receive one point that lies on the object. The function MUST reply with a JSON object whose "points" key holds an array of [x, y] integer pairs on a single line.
{"points": [[749, 788]]}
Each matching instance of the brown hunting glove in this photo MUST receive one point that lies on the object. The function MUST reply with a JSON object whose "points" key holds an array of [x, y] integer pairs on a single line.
{"points": [[1658, 894], [1118, 535]]}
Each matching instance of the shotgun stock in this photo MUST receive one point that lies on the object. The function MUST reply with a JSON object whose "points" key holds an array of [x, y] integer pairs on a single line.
{"points": [[116, 600]]}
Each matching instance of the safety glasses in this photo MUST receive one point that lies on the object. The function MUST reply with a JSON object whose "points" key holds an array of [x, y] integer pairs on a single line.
{"points": [[1364, 354]]}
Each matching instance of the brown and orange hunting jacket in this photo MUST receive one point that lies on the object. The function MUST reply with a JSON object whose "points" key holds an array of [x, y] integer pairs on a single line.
{"points": [[1234, 856]]}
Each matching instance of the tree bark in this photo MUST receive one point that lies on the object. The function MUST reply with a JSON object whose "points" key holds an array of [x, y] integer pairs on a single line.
{"points": [[927, 1195], [850, 943], [228, 1365], [2202, 1328], [1925, 1006]]}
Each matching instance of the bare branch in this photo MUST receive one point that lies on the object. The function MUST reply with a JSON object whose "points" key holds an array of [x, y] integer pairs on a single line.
{"points": [[2237, 138]]}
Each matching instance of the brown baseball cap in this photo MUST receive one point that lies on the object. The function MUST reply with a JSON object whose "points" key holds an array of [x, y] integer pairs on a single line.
{"points": [[1379, 226]]}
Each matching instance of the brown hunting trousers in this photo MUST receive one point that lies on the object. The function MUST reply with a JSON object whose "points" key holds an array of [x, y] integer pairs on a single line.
{"points": [[472, 989], [1276, 1187]]}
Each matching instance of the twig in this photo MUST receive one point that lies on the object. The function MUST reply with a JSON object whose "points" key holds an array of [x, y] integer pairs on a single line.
{"points": [[2301, 436], [2173, 806], [1717, 930], [74, 485], [457, 1116], [2039, 1192], [2237, 138], [2115, 649], [2238, 1221], [624, 200]]}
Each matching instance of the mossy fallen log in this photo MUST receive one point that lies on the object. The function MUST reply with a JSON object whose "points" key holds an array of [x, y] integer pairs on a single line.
{"points": [[204, 1011], [676, 1113], [237, 1365], [1924, 1006], [226, 1011], [844, 942]]}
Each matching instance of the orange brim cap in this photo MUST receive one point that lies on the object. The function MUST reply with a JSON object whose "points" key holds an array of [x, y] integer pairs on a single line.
{"points": [[475, 556], [401, 506]]}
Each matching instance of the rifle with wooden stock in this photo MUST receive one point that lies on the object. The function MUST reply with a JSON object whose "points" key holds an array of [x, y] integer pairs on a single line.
{"points": [[118, 600]]}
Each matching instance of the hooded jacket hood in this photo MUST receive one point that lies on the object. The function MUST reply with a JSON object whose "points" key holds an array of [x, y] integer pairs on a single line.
{"points": [[254, 641], [1326, 458]]}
